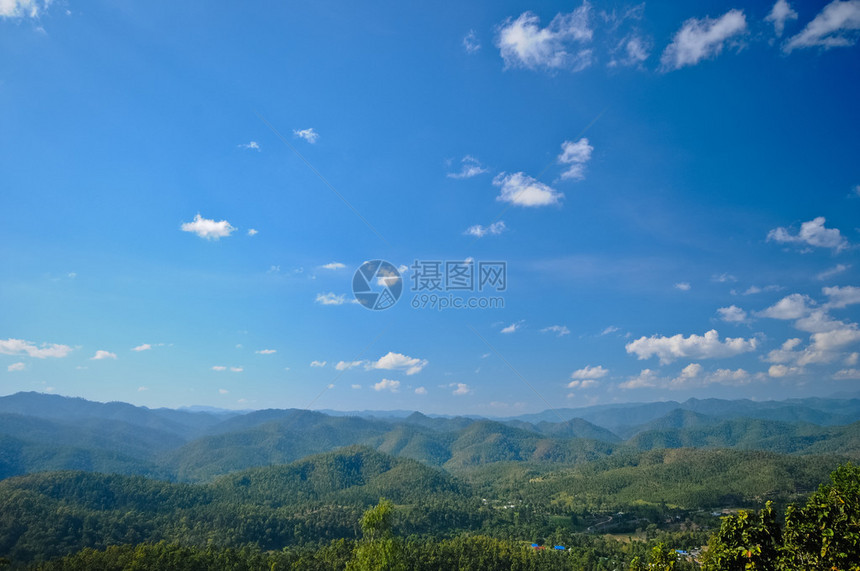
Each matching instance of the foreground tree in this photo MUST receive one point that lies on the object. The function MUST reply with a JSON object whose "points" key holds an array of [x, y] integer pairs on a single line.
{"points": [[378, 550], [825, 533], [745, 541]]}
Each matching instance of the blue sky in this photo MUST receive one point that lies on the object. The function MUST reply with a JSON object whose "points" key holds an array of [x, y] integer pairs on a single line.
{"points": [[187, 190]]}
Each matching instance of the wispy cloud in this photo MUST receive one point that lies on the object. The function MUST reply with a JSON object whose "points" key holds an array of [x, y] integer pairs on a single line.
{"points": [[19, 366], [683, 286], [144, 347], [460, 389], [560, 45], [308, 135], [266, 351], [479, 231], [346, 365], [252, 232], [330, 298], [513, 327], [208, 229], [834, 271], [23, 8], [420, 391], [21, 347], [333, 266], [253, 145], [700, 39], [559, 330], [469, 167], [471, 43], [835, 26], [318, 363]]}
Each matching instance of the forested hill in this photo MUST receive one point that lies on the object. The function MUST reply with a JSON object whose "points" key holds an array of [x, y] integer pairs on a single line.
{"points": [[48, 432]]}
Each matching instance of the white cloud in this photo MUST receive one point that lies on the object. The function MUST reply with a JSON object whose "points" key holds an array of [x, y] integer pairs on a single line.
{"points": [[559, 330], [793, 306], [22, 8], [779, 371], [634, 50], [471, 43], [16, 367], [19, 347], [707, 346], [835, 270], [835, 26], [469, 167], [420, 391], [355, 386], [732, 314], [346, 365], [584, 384], [812, 233], [387, 385], [479, 231], [779, 14], [219, 368], [850, 374], [590, 372], [252, 232], [330, 298], [236, 369], [842, 296], [399, 361], [144, 347], [142, 388], [824, 347], [102, 354], [523, 43], [209, 229], [460, 389], [723, 278], [576, 155], [223, 391], [852, 359], [512, 327], [318, 363], [266, 351], [754, 289], [333, 266], [702, 39], [253, 145], [645, 379], [683, 286], [610, 329], [522, 190], [308, 135], [818, 321]]}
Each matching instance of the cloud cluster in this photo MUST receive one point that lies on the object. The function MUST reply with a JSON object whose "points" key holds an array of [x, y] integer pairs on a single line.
{"points": [[575, 155], [707, 346], [812, 233], [398, 361], [561, 44], [208, 229], [43, 351]]}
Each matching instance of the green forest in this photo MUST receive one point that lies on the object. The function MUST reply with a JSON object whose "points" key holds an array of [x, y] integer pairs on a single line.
{"points": [[425, 493]]}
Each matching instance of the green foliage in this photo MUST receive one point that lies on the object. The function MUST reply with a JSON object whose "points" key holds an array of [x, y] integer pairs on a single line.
{"points": [[825, 533]]}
